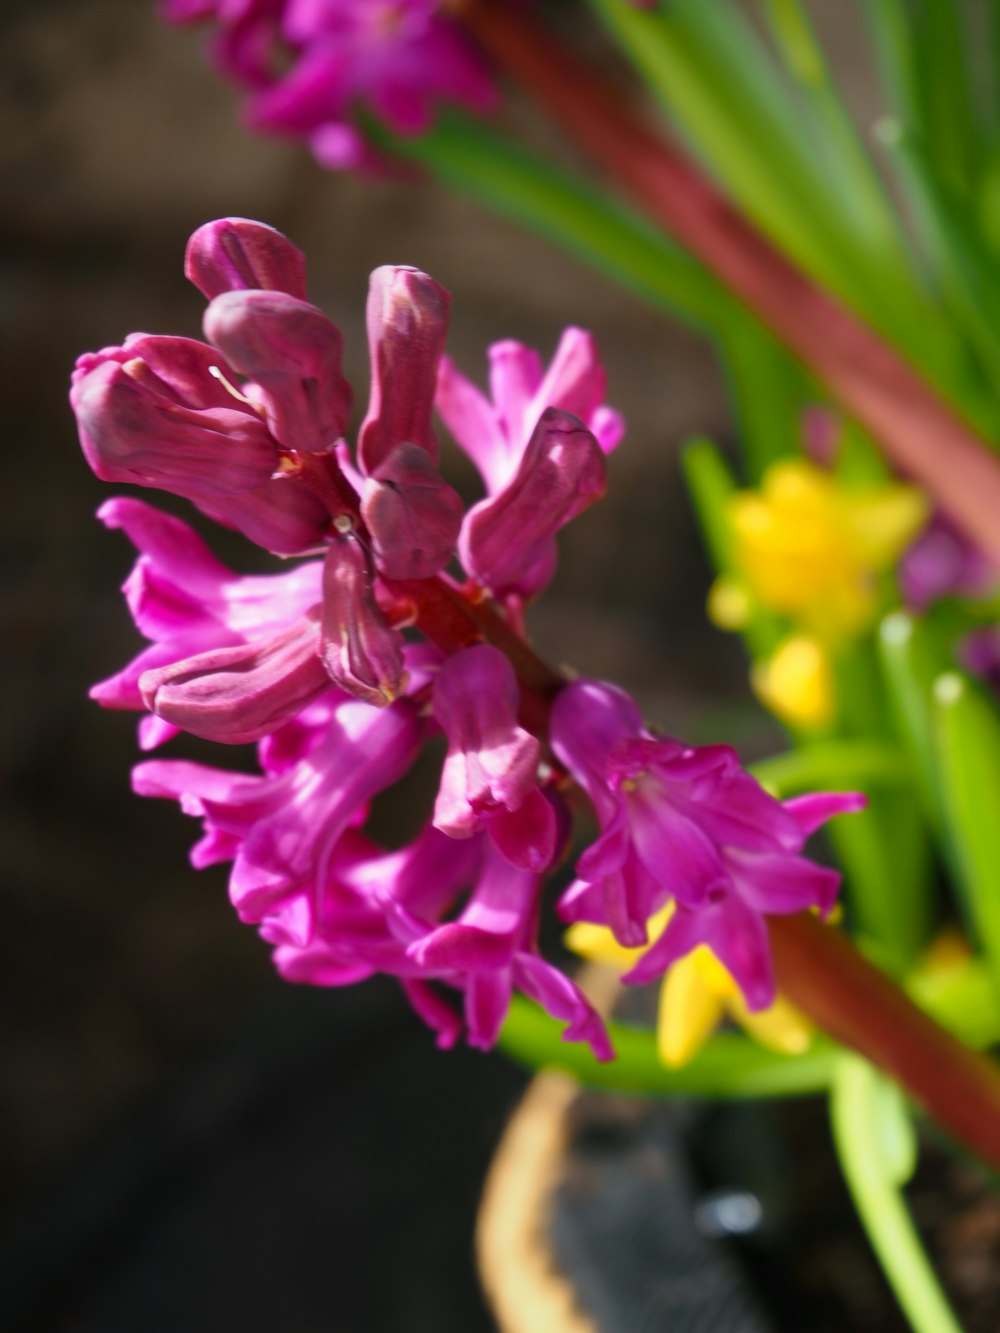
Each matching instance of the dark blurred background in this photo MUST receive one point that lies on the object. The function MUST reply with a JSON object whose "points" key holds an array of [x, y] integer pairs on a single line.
{"points": [[186, 1143]]}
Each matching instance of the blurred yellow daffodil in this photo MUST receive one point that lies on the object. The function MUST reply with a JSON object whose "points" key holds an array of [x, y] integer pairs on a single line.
{"points": [[696, 994], [806, 547]]}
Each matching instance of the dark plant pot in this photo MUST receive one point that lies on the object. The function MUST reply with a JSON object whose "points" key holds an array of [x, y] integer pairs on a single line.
{"points": [[613, 1214]]}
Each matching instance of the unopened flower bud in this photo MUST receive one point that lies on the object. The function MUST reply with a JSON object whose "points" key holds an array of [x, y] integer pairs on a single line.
{"points": [[508, 540], [235, 254], [412, 514], [361, 652], [292, 353], [407, 322]]}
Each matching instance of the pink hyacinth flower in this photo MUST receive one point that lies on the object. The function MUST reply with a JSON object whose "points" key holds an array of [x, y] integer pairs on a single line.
{"points": [[489, 952], [540, 468], [490, 776], [281, 829], [686, 826], [188, 603]]}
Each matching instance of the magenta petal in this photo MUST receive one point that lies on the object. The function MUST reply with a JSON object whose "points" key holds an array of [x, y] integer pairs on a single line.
{"points": [[558, 996], [487, 1002], [492, 762], [407, 323], [505, 542], [292, 353], [776, 884], [439, 1017], [575, 380], [361, 652], [241, 693], [812, 811], [526, 837], [412, 515], [472, 420], [674, 850], [589, 718], [233, 254], [456, 947]]}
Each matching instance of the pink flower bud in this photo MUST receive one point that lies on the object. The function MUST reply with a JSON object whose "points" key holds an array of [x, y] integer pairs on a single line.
{"points": [[292, 354], [412, 514], [492, 762], [407, 323], [508, 540], [361, 653], [234, 254]]}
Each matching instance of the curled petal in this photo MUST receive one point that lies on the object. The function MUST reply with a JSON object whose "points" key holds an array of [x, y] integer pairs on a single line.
{"points": [[240, 693], [407, 322], [812, 811], [292, 354], [361, 652], [507, 540], [234, 254]]}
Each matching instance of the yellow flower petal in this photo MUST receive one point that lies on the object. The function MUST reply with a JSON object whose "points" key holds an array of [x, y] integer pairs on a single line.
{"points": [[729, 604], [690, 1010], [781, 1027], [796, 683]]}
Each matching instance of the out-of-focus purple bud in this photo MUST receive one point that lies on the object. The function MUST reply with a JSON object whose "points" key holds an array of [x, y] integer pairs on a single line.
{"points": [[492, 763], [360, 651], [407, 322], [240, 693], [292, 353], [508, 540], [235, 254], [412, 515], [132, 432]]}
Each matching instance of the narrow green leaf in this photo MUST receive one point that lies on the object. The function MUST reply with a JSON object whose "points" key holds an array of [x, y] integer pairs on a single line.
{"points": [[874, 1142], [478, 162], [727, 1066], [909, 664], [711, 485], [840, 765], [769, 389], [967, 745]]}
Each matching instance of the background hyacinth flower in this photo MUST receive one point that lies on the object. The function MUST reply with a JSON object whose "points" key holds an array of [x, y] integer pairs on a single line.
{"points": [[689, 827], [308, 64], [942, 562]]}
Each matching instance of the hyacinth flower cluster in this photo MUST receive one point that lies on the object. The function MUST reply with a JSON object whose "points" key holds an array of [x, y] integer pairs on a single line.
{"points": [[340, 669], [308, 65]]}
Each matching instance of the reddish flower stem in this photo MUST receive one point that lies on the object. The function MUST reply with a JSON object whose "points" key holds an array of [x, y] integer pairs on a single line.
{"points": [[920, 432], [452, 620], [820, 971]]}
